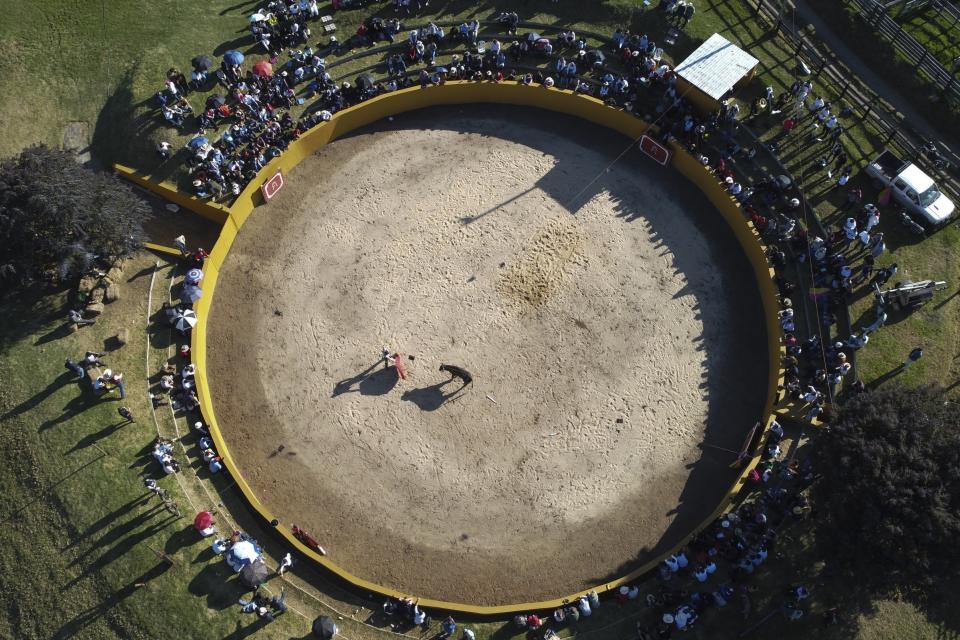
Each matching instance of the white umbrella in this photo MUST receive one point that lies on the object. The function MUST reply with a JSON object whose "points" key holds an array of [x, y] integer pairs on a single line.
{"points": [[191, 293], [194, 275], [258, 17], [185, 320], [244, 552]]}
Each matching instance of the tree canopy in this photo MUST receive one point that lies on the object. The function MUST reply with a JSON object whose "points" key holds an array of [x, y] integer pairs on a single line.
{"points": [[889, 497], [57, 217]]}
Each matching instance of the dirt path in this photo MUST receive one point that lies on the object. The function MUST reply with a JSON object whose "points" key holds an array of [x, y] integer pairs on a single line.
{"points": [[605, 346]]}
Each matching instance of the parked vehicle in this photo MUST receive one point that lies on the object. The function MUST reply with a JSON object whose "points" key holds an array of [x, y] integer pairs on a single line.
{"points": [[911, 187]]}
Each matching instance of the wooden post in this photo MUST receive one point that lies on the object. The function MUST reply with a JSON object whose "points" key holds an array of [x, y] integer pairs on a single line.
{"points": [[949, 86], [844, 92], [893, 132], [923, 58], [879, 15]]}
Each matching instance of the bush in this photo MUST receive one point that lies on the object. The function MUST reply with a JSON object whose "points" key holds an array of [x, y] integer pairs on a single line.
{"points": [[889, 498], [57, 218]]}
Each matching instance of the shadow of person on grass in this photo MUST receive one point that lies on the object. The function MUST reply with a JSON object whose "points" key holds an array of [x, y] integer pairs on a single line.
{"points": [[92, 438], [186, 537], [62, 380], [213, 582], [85, 618], [74, 407], [109, 519], [61, 331]]}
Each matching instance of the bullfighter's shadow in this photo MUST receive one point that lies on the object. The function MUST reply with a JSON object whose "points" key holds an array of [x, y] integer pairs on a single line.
{"points": [[370, 382]]}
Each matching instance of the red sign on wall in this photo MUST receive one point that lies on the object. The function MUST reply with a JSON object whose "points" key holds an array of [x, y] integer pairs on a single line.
{"points": [[654, 149], [272, 186]]}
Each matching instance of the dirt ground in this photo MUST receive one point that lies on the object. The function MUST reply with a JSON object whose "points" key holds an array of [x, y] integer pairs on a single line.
{"points": [[609, 322]]}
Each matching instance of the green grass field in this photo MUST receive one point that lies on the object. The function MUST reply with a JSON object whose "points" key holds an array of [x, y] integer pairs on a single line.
{"points": [[80, 540]]}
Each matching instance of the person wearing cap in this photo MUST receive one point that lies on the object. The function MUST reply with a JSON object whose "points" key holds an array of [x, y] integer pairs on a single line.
{"points": [[584, 605], [914, 355], [672, 563], [448, 628], [850, 228]]}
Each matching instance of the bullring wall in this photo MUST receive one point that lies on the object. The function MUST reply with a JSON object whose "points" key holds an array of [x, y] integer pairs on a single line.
{"points": [[450, 93]]}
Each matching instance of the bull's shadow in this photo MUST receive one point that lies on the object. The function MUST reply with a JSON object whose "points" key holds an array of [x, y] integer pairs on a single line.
{"points": [[433, 397]]}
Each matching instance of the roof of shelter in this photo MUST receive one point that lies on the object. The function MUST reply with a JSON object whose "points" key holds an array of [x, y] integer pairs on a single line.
{"points": [[716, 66]]}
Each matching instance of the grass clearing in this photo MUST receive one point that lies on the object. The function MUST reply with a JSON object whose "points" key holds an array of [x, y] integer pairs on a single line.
{"points": [[78, 535]]}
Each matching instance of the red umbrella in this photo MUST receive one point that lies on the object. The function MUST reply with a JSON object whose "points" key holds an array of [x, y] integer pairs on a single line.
{"points": [[203, 520], [263, 68]]}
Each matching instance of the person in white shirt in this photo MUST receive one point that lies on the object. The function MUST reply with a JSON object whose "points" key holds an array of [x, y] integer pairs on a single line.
{"points": [[285, 564], [584, 605], [419, 615]]}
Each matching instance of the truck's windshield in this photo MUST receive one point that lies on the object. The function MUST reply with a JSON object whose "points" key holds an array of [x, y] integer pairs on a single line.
{"points": [[929, 196]]}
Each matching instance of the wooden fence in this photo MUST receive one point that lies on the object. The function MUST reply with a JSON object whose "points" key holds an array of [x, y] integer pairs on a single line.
{"points": [[867, 105], [926, 65]]}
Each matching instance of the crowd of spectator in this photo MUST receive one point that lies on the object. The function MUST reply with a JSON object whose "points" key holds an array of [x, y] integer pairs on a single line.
{"points": [[238, 131]]}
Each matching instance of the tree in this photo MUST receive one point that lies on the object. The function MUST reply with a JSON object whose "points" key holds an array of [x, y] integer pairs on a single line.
{"points": [[889, 497], [57, 217]]}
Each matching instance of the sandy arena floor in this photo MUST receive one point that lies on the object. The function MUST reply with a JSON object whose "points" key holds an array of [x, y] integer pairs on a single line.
{"points": [[606, 346]]}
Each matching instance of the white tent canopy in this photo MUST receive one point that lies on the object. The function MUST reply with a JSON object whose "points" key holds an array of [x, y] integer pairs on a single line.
{"points": [[716, 66]]}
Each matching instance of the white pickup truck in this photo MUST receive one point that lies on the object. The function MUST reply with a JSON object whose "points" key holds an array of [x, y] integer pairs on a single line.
{"points": [[911, 187]]}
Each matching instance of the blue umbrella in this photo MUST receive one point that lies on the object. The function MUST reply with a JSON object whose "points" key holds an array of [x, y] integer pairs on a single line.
{"points": [[197, 142], [233, 57], [442, 70]]}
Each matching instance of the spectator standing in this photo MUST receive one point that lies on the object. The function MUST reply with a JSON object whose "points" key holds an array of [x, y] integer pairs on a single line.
{"points": [[915, 355], [448, 628], [126, 414], [180, 242], [285, 564]]}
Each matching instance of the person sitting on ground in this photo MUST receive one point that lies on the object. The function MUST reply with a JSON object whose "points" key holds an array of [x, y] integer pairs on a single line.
{"points": [[76, 317], [170, 466], [166, 382], [92, 359]]}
